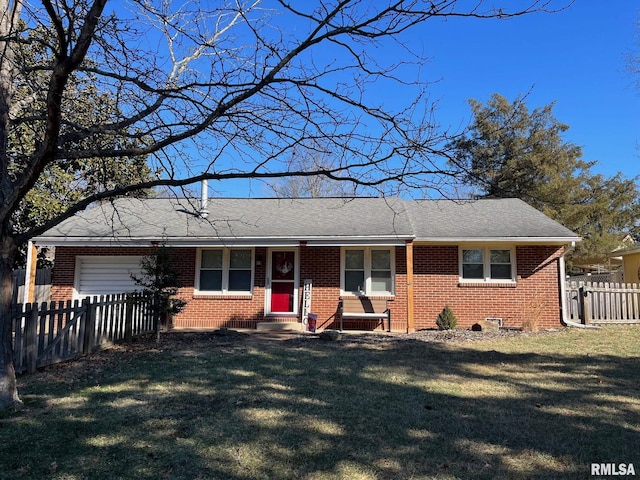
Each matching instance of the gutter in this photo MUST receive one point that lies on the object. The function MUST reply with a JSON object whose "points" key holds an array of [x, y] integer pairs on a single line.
{"points": [[563, 295], [498, 239], [212, 241]]}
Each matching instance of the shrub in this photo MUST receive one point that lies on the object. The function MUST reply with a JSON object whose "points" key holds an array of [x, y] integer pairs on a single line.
{"points": [[533, 311], [446, 319], [160, 280]]}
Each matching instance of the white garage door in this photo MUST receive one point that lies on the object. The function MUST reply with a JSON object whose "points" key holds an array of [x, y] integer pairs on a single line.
{"points": [[106, 275]]}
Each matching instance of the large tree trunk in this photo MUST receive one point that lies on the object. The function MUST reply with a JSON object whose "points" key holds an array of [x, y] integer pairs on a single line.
{"points": [[9, 18], [8, 388]]}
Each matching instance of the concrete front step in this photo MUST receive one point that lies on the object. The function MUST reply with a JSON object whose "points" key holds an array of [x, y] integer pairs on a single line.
{"points": [[280, 326]]}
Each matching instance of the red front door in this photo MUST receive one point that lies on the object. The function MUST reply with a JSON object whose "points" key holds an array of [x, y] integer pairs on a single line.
{"points": [[283, 281]]}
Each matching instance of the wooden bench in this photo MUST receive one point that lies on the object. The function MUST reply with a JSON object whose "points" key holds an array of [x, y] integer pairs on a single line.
{"points": [[365, 307]]}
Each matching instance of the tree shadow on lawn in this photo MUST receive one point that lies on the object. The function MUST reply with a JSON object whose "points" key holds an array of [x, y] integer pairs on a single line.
{"points": [[212, 408]]}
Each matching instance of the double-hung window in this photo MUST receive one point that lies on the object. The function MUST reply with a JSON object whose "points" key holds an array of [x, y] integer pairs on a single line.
{"points": [[224, 271], [487, 264], [368, 271]]}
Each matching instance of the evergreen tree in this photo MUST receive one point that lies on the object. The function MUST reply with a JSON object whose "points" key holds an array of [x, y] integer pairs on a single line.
{"points": [[160, 280], [446, 319], [510, 151]]}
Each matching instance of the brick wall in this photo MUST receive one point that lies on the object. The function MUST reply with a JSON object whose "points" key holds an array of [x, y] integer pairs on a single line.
{"points": [[215, 311], [200, 312], [435, 285], [322, 266], [534, 296]]}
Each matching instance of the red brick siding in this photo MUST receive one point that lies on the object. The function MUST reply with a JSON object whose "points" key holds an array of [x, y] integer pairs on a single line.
{"points": [[398, 306], [322, 266], [535, 292], [215, 311], [435, 285]]}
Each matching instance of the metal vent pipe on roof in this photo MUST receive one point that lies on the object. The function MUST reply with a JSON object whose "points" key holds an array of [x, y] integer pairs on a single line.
{"points": [[204, 198]]}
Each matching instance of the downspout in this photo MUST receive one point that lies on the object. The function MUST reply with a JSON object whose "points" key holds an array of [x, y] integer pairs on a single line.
{"points": [[563, 294]]}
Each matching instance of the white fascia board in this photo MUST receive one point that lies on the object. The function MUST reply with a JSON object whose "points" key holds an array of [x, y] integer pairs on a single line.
{"points": [[84, 242], [357, 242], [518, 240], [146, 242], [226, 242]]}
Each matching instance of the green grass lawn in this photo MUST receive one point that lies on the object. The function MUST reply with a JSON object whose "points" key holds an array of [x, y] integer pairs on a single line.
{"points": [[203, 407]]}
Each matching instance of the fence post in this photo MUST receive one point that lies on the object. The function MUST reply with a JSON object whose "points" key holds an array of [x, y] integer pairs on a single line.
{"points": [[128, 319], [90, 325], [31, 338], [585, 305]]}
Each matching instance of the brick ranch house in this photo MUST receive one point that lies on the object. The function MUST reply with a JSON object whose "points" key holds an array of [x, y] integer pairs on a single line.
{"points": [[246, 261]]}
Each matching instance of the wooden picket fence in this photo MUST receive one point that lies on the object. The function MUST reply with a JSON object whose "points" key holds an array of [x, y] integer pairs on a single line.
{"points": [[603, 303], [48, 333]]}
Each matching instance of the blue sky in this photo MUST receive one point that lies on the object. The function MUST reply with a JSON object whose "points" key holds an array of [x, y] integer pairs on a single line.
{"points": [[577, 58]]}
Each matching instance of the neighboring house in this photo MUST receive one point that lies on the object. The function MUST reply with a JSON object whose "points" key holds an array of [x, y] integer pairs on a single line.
{"points": [[612, 264], [631, 265], [246, 261]]}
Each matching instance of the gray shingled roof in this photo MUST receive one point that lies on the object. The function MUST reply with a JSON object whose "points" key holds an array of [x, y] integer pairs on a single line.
{"points": [[315, 220], [482, 219]]}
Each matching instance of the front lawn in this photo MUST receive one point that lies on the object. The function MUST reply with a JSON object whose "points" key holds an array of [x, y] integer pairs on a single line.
{"points": [[199, 406]]}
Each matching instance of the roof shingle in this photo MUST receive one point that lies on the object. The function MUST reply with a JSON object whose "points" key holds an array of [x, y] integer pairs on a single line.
{"points": [[307, 219]]}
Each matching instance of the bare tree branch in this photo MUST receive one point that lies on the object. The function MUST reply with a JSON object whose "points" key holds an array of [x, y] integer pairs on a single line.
{"points": [[224, 89]]}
